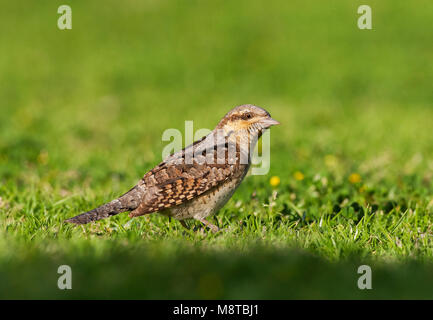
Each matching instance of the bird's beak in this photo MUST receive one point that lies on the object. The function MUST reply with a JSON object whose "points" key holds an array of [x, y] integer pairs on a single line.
{"points": [[268, 122]]}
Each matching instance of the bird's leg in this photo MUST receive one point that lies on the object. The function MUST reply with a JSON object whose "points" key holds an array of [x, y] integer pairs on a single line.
{"points": [[211, 226]]}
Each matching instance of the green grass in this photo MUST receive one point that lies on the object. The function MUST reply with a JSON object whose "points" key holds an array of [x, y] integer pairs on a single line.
{"points": [[83, 112]]}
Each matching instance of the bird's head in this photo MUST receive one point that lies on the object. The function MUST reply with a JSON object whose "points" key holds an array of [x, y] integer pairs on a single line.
{"points": [[246, 119]]}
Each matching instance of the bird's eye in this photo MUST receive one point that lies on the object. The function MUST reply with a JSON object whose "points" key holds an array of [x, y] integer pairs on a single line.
{"points": [[247, 116]]}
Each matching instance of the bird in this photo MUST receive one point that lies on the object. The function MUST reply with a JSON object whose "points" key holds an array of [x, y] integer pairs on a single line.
{"points": [[197, 181]]}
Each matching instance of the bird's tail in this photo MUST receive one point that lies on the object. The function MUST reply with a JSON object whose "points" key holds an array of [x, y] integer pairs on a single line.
{"points": [[129, 201]]}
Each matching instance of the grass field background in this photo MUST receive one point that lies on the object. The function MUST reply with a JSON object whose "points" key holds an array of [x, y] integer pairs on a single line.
{"points": [[83, 112]]}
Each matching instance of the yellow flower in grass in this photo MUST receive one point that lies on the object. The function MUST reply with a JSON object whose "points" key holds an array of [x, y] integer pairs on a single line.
{"points": [[275, 181], [354, 178], [331, 160], [43, 157], [298, 175]]}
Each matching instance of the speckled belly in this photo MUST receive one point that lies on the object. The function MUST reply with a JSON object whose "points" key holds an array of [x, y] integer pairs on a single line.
{"points": [[207, 204]]}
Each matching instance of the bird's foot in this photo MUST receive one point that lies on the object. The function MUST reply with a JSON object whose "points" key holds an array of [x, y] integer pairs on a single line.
{"points": [[211, 226]]}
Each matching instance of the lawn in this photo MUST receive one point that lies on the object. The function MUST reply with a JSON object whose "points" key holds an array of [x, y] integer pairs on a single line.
{"points": [[82, 117]]}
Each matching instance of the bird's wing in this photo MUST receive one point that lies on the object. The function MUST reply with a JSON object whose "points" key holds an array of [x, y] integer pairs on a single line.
{"points": [[174, 182]]}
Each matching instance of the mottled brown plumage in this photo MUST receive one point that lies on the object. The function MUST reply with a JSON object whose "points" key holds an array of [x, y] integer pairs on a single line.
{"points": [[198, 180]]}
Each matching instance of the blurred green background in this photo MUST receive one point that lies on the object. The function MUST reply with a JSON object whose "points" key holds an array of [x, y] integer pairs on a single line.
{"points": [[83, 112]]}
